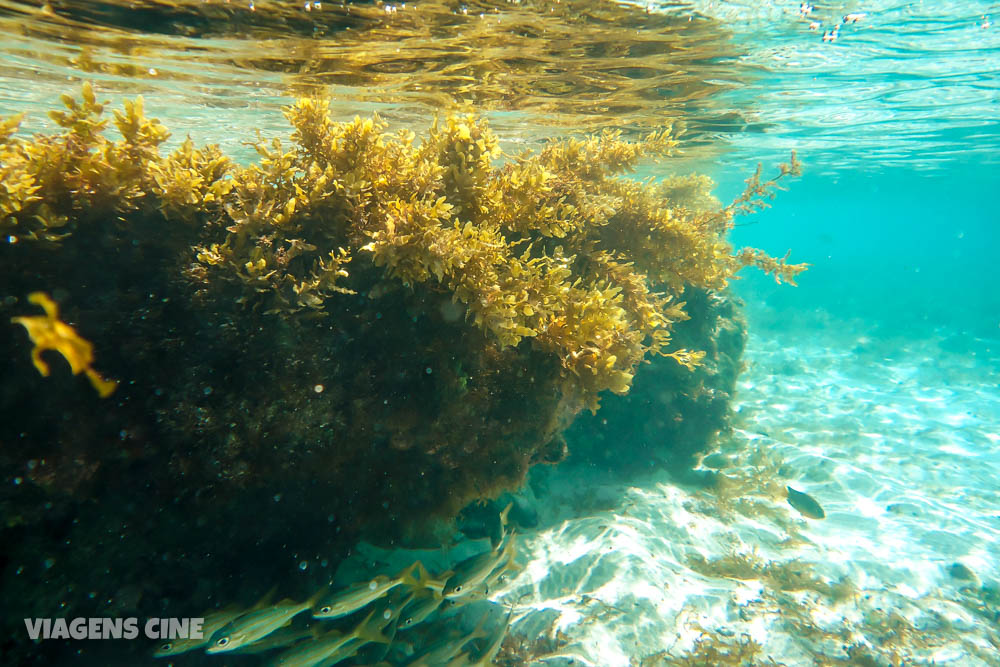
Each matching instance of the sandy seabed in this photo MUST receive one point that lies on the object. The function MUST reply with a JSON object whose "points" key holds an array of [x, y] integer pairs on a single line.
{"points": [[895, 439]]}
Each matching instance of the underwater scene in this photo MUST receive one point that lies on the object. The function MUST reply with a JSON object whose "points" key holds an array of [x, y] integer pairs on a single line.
{"points": [[499, 332]]}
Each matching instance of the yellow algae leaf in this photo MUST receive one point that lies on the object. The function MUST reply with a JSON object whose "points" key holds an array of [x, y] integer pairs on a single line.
{"points": [[48, 332], [619, 382], [9, 126], [687, 358]]}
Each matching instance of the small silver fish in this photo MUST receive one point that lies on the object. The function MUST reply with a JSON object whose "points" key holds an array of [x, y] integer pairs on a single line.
{"points": [[332, 647], [361, 594], [256, 625], [418, 610], [213, 621], [444, 650], [488, 652], [805, 504], [474, 570]]}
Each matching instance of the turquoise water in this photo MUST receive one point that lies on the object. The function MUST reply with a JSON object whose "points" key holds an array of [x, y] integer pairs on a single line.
{"points": [[873, 386], [896, 123]]}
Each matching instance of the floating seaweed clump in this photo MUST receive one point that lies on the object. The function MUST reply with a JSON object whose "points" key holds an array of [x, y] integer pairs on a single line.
{"points": [[48, 332]]}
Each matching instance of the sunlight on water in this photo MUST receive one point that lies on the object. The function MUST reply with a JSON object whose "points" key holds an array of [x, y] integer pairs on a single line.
{"points": [[899, 83], [535, 67]]}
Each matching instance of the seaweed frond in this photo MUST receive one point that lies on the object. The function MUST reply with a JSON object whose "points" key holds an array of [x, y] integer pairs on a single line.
{"points": [[48, 332], [556, 249]]}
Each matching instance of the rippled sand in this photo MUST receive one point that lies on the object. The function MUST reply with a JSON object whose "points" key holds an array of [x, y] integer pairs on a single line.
{"points": [[896, 441]]}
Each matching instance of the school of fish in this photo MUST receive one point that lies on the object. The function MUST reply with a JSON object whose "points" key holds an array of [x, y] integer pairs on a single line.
{"points": [[384, 608]]}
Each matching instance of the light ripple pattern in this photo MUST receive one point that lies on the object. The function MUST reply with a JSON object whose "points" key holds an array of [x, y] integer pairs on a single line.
{"points": [[896, 443]]}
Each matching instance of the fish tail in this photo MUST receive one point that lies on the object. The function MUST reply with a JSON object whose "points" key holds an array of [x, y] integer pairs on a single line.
{"points": [[366, 633], [265, 599], [380, 655], [407, 575], [422, 571], [480, 630], [504, 513]]}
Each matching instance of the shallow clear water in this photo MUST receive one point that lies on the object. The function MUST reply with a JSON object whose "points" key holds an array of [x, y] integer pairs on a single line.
{"points": [[874, 386], [910, 85]]}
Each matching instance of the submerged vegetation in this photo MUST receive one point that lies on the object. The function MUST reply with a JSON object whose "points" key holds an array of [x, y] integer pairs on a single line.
{"points": [[553, 247], [362, 330], [713, 649], [47, 332]]}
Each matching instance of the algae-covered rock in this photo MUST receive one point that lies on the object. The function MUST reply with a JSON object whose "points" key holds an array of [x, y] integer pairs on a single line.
{"points": [[357, 335], [671, 414]]}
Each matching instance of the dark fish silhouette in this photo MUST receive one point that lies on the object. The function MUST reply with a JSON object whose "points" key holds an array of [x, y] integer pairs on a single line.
{"points": [[805, 504]]}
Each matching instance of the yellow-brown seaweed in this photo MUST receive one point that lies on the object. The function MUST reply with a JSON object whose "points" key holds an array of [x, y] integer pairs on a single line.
{"points": [[48, 332], [556, 249]]}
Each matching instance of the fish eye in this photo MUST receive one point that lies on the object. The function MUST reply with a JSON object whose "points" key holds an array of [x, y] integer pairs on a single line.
{"points": [[372, 585], [166, 647], [408, 621], [325, 610], [222, 642], [387, 614], [458, 589]]}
